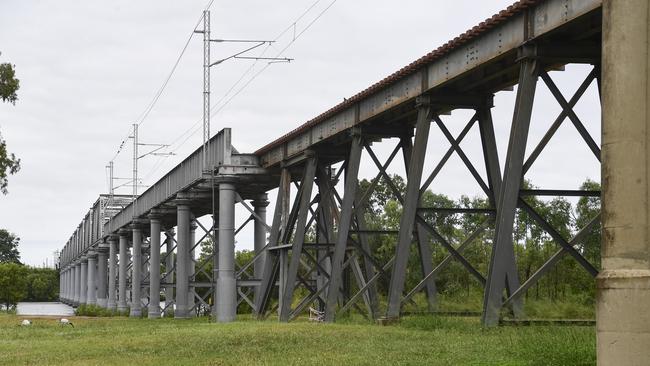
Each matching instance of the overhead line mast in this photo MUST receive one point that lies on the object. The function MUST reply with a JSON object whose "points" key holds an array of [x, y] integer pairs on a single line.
{"points": [[206, 74]]}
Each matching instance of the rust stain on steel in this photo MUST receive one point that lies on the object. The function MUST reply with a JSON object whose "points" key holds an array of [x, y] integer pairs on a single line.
{"points": [[411, 68]]}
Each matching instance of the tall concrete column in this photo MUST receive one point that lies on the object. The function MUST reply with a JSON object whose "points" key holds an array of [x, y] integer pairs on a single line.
{"points": [[191, 268], [112, 272], [182, 253], [226, 286], [62, 281], [77, 282], [66, 284], [83, 280], [259, 236], [102, 256], [121, 299], [144, 273], [136, 277], [623, 285], [169, 272], [91, 297], [154, 267]]}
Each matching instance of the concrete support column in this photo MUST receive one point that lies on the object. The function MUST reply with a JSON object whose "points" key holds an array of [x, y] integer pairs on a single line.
{"points": [[102, 256], [182, 253], [121, 299], [623, 285], [112, 272], [226, 286], [91, 297], [62, 281], [62, 274], [69, 293], [169, 272], [136, 277], [191, 268], [77, 282], [83, 280], [259, 236], [154, 267]]}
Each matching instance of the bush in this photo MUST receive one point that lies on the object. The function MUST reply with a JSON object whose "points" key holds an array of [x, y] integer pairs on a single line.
{"points": [[98, 311], [13, 284]]}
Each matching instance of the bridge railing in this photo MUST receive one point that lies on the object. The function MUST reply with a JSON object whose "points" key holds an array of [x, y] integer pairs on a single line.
{"points": [[184, 175]]}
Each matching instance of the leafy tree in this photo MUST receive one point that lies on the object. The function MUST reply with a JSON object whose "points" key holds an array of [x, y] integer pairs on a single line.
{"points": [[9, 164], [13, 283], [8, 83], [586, 209], [42, 284], [9, 247]]}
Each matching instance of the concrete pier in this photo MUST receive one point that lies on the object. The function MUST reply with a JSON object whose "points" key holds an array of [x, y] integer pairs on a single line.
{"points": [[226, 285], [259, 236], [112, 272], [169, 272], [91, 296], [121, 300], [102, 256], [136, 277], [83, 280], [182, 253], [623, 320], [154, 267], [77, 282]]}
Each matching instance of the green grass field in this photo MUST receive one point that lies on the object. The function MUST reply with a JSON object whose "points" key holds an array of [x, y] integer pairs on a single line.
{"points": [[417, 340]]}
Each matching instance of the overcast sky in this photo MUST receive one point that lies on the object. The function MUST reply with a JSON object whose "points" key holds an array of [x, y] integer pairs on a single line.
{"points": [[88, 70]]}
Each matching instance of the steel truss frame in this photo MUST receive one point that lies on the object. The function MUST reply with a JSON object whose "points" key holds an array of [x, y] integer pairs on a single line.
{"points": [[512, 196]]}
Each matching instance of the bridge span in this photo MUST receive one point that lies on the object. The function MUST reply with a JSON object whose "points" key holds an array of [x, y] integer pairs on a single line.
{"points": [[314, 251]]}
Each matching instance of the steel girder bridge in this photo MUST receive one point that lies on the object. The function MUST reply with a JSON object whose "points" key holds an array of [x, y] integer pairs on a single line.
{"points": [[110, 259]]}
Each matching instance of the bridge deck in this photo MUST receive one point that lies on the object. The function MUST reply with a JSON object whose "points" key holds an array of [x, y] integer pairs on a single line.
{"points": [[481, 61]]}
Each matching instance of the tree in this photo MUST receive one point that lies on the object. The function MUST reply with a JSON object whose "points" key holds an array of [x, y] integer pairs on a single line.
{"points": [[8, 83], [9, 247], [13, 283], [9, 164], [42, 284]]}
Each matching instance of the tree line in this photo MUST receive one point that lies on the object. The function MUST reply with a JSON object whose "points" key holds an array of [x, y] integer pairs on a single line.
{"points": [[19, 282]]}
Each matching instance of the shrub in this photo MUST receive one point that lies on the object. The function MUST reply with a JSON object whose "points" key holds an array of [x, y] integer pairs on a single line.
{"points": [[98, 311]]}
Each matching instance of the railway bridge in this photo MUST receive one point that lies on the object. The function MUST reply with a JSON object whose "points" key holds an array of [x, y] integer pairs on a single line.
{"points": [[314, 251]]}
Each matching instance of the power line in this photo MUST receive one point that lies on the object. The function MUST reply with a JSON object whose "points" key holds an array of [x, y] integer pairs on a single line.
{"points": [[193, 129], [153, 102], [295, 38]]}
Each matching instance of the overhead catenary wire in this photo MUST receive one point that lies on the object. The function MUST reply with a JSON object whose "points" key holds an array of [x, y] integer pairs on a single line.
{"points": [[160, 90], [196, 127], [153, 102]]}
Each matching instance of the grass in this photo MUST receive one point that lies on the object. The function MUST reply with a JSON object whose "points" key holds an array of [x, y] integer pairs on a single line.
{"points": [[417, 340]]}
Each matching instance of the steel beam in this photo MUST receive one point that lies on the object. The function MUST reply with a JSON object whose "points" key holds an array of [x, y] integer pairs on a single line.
{"points": [[502, 273], [298, 239], [411, 203], [422, 238], [271, 264], [345, 220]]}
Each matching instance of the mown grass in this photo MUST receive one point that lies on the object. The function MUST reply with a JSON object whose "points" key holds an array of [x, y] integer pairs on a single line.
{"points": [[417, 340]]}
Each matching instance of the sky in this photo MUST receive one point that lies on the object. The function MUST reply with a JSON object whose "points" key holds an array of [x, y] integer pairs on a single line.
{"points": [[89, 69]]}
